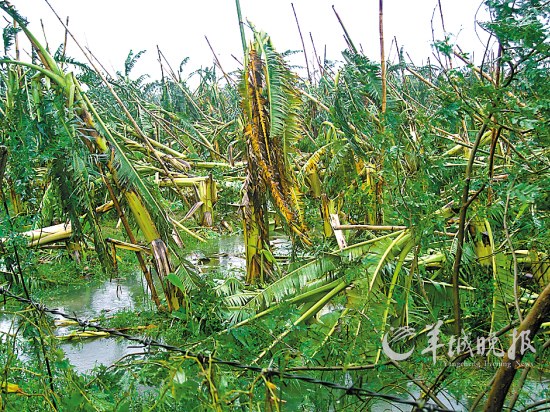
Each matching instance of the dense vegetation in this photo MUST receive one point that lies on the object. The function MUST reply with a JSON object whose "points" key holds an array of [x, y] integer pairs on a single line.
{"points": [[416, 200]]}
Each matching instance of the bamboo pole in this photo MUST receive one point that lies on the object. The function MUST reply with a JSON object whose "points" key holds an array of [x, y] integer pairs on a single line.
{"points": [[382, 54], [303, 44]]}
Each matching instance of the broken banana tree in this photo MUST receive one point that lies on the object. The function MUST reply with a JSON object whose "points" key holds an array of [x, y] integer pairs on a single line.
{"points": [[270, 103], [108, 155]]}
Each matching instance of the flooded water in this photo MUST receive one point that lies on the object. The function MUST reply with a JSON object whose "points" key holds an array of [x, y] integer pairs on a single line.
{"points": [[89, 353], [85, 303], [224, 255], [8, 328]]}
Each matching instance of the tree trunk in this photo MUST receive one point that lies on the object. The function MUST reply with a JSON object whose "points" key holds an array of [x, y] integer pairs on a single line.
{"points": [[505, 375]]}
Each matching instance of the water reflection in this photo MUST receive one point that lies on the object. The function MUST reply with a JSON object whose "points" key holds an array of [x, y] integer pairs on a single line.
{"points": [[111, 296], [226, 255], [91, 302], [87, 354]]}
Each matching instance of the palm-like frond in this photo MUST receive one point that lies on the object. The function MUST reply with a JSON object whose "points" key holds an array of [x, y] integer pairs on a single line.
{"points": [[8, 35], [292, 283], [310, 278], [284, 99], [271, 104], [187, 280], [83, 190], [131, 61]]}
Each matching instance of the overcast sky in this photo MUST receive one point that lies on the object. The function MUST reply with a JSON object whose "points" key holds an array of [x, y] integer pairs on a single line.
{"points": [[110, 28]]}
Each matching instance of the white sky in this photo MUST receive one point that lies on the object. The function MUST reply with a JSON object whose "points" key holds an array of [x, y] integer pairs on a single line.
{"points": [[110, 28]]}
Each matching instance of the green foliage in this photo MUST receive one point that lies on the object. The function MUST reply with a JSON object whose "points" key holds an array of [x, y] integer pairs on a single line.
{"points": [[327, 306]]}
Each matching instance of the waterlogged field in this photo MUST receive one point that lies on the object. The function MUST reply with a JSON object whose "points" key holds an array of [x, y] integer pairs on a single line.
{"points": [[125, 301], [362, 235]]}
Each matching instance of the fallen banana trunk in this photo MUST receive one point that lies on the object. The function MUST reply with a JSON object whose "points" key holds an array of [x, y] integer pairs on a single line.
{"points": [[83, 335], [60, 323], [176, 161], [47, 235], [145, 209], [187, 230], [129, 246], [105, 207], [206, 192]]}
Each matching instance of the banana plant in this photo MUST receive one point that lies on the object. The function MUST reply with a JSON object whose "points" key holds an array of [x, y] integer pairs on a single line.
{"points": [[96, 136], [358, 272], [270, 103]]}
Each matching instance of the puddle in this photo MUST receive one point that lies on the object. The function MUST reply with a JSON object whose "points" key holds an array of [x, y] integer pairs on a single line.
{"points": [[110, 297], [87, 354], [87, 303], [226, 255]]}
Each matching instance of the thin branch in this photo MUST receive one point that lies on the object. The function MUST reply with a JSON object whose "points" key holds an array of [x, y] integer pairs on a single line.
{"points": [[64, 53], [317, 58], [461, 228], [346, 35], [420, 384], [303, 44], [514, 256], [444, 29], [227, 78], [382, 54]]}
